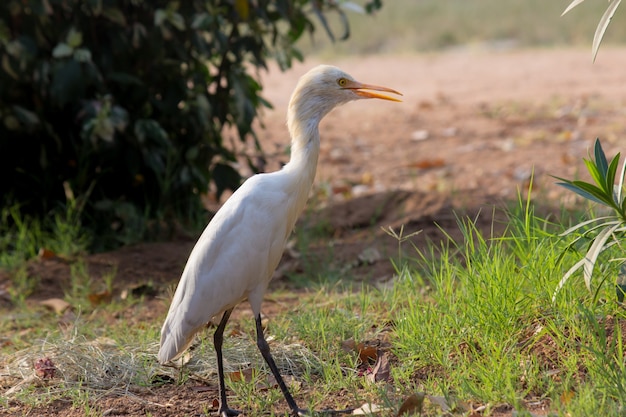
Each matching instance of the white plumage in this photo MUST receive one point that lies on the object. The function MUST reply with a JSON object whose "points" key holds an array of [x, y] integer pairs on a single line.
{"points": [[238, 252]]}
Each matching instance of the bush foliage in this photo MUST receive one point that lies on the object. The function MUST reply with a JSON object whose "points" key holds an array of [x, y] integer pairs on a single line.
{"points": [[119, 105]]}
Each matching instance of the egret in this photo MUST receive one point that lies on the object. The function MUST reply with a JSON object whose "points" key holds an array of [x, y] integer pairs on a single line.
{"points": [[239, 250]]}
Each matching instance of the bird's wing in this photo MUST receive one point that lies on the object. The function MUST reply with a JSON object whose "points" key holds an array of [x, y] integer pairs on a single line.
{"points": [[236, 255]]}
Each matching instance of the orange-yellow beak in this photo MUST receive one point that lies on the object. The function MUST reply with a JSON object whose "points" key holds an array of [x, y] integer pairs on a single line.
{"points": [[368, 90]]}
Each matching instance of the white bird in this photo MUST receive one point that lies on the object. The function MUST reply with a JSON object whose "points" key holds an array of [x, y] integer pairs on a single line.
{"points": [[236, 255]]}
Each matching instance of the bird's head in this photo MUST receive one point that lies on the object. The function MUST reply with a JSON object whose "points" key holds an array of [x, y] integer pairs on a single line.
{"points": [[325, 87]]}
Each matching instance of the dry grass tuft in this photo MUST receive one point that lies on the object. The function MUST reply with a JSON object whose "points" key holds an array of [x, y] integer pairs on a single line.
{"points": [[102, 366]]}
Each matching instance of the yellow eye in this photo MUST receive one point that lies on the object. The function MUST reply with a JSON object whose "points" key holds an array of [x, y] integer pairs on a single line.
{"points": [[342, 82]]}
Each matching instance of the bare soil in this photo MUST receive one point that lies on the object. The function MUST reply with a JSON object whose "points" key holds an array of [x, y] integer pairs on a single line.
{"points": [[474, 127]]}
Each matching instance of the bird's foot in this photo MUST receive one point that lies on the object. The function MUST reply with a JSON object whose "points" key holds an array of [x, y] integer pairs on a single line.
{"points": [[229, 412]]}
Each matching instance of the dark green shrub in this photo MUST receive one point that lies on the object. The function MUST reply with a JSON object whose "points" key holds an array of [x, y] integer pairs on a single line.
{"points": [[121, 103]]}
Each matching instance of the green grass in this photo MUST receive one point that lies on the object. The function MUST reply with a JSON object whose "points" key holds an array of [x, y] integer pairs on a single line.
{"points": [[469, 320], [407, 26]]}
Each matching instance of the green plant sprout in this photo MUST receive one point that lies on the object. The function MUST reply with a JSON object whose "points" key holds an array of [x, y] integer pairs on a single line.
{"points": [[605, 231]]}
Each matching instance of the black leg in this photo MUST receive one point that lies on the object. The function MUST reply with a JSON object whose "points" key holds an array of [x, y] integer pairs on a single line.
{"points": [[218, 339], [265, 351]]}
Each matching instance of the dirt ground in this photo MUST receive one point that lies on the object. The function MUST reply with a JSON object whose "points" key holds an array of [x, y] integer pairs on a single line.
{"points": [[473, 128]]}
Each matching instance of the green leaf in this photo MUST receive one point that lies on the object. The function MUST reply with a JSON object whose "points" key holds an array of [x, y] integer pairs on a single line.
{"points": [[600, 158], [177, 21], [62, 50], [67, 82], [586, 190], [74, 38], [123, 78], [8, 67], [202, 21], [160, 16], [27, 117], [115, 15], [150, 130], [82, 55], [225, 177], [594, 171], [609, 180], [373, 5]]}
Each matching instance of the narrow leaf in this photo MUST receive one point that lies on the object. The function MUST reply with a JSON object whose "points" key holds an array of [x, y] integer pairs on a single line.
{"points": [[587, 222], [609, 180], [620, 186], [571, 6], [354, 7], [602, 26], [62, 50], [588, 191], [322, 19], [595, 171], [594, 251], [600, 157], [568, 274]]}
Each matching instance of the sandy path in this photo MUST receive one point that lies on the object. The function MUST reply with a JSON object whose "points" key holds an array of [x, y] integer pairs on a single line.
{"points": [[471, 120]]}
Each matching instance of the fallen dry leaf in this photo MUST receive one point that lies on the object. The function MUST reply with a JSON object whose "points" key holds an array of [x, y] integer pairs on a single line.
{"points": [[202, 388], [367, 352], [412, 405], [183, 359], [566, 397], [348, 345], [428, 163], [440, 401], [147, 290], [245, 375], [100, 298], [381, 371], [56, 304], [46, 253], [449, 404], [369, 256], [341, 189], [367, 409], [291, 382]]}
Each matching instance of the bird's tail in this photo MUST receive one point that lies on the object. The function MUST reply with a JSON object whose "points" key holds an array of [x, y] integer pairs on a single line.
{"points": [[174, 341]]}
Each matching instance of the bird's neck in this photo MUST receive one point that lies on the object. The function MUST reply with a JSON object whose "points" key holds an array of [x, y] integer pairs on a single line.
{"points": [[303, 124], [305, 149], [303, 118]]}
